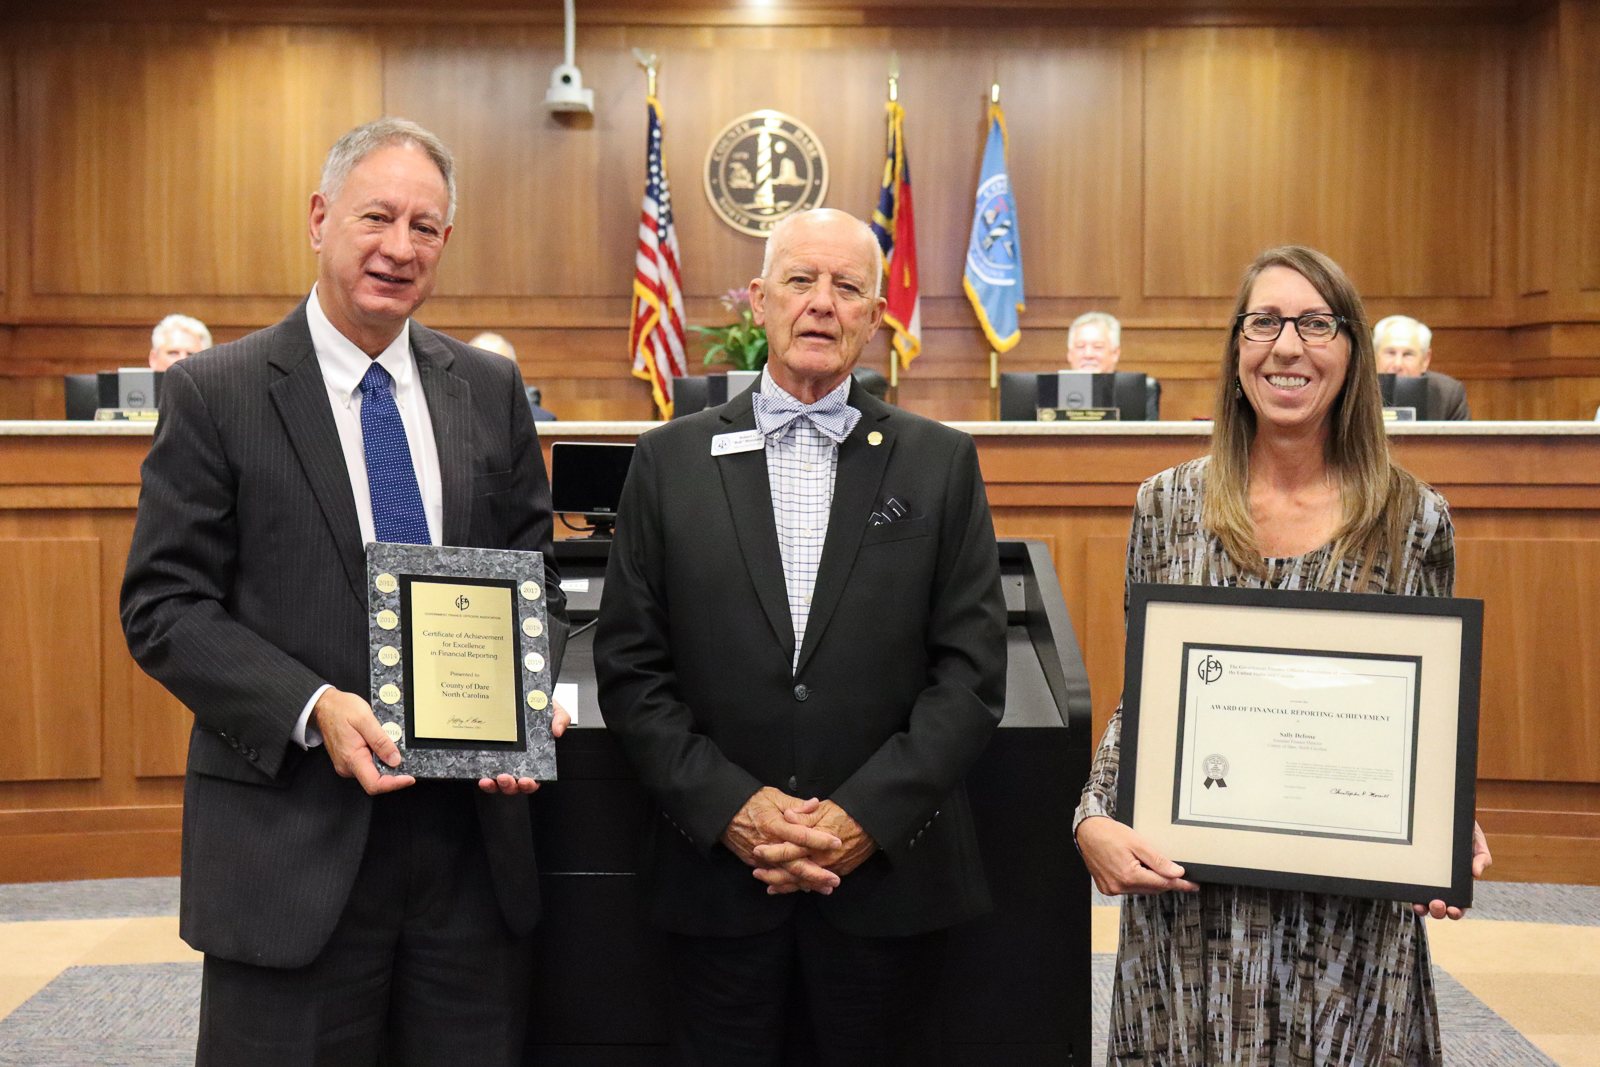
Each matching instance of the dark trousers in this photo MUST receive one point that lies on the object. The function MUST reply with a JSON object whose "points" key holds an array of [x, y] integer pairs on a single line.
{"points": [[805, 993], [421, 968]]}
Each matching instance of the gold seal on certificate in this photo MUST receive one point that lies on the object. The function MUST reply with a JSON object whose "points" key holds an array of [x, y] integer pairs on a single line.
{"points": [[461, 664]]}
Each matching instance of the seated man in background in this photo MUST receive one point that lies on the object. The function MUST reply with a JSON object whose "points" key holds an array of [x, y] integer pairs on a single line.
{"points": [[493, 342], [1094, 344], [177, 337], [1405, 348]]}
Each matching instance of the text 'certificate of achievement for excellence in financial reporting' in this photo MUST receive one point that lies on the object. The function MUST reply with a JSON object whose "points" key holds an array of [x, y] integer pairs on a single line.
{"points": [[1298, 742], [464, 667], [1306, 740]]}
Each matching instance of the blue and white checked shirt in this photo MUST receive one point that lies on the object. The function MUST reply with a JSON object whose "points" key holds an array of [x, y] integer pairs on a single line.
{"points": [[802, 463]]}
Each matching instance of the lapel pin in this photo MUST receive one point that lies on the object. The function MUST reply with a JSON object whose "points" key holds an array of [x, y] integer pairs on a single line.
{"points": [[874, 438]]}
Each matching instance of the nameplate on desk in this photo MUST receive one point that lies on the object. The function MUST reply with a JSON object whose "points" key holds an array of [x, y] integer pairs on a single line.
{"points": [[1405, 414], [727, 444], [1079, 415], [125, 415], [460, 660]]}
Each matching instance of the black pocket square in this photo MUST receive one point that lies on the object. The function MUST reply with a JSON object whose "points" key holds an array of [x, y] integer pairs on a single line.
{"points": [[891, 510]]}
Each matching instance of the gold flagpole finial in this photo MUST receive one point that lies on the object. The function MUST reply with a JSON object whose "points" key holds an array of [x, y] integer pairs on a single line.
{"points": [[894, 76], [650, 62], [994, 93]]}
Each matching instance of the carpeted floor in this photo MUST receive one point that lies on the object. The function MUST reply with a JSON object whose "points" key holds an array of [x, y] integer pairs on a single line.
{"points": [[145, 1014], [135, 1015]]}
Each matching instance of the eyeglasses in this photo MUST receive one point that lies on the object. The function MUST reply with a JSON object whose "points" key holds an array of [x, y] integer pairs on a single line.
{"points": [[1314, 329]]}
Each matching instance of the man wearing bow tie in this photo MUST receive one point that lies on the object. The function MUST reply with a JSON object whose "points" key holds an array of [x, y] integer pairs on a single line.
{"points": [[802, 649]]}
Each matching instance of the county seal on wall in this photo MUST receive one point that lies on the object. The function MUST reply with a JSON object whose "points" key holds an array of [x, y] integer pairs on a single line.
{"points": [[762, 167]]}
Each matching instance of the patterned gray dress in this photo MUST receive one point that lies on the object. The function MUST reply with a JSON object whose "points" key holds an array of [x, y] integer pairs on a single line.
{"points": [[1266, 978]]}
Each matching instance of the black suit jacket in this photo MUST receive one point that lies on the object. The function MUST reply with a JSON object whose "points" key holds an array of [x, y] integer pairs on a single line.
{"points": [[246, 591], [900, 683], [1447, 398]]}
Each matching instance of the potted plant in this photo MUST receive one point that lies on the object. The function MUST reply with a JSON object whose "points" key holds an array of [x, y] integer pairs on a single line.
{"points": [[740, 345]]}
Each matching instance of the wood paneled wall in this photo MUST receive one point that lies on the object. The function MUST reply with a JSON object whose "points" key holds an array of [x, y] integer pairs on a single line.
{"points": [[1452, 166]]}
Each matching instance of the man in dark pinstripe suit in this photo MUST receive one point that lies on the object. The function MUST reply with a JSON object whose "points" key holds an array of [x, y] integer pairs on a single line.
{"points": [[344, 916]]}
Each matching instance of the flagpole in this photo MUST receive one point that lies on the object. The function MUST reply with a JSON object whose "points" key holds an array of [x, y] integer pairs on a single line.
{"points": [[994, 357], [894, 357]]}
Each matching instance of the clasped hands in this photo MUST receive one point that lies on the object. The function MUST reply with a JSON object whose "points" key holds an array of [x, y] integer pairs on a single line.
{"points": [[354, 738], [796, 844]]}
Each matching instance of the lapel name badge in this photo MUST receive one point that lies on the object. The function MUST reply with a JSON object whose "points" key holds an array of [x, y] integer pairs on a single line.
{"points": [[726, 444], [874, 438]]}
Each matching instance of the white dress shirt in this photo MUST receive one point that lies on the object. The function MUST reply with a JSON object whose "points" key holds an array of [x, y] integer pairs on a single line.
{"points": [[802, 465], [343, 365]]}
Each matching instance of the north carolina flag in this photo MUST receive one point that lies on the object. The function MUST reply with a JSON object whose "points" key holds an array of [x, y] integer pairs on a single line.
{"points": [[656, 338], [896, 230], [993, 276]]}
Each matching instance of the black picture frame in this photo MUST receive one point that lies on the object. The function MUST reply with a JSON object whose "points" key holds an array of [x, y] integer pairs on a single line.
{"points": [[1213, 856]]}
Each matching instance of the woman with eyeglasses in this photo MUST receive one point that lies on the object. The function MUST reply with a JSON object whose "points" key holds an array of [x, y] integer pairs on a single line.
{"points": [[1298, 492]]}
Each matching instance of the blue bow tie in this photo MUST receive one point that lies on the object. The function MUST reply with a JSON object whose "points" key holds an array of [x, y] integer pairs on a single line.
{"points": [[831, 415]]}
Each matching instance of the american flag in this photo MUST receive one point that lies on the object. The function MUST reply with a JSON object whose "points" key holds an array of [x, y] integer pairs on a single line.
{"points": [[895, 228], [656, 337]]}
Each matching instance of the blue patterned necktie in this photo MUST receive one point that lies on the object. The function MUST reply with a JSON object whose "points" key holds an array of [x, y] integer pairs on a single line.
{"points": [[831, 415], [397, 515]]}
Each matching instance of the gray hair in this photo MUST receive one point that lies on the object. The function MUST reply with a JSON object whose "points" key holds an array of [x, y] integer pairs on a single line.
{"points": [[362, 141], [1097, 318], [173, 323], [1423, 334], [490, 341], [775, 234]]}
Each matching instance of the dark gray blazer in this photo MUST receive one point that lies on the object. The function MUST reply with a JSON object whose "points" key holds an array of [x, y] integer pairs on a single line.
{"points": [[1447, 398], [900, 683], [246, 591]]}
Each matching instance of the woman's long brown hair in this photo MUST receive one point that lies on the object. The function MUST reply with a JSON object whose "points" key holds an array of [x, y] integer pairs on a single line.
{"points": [[1376, 496]]}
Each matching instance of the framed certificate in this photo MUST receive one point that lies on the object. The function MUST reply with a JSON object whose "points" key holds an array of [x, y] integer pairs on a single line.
{"points": [[1304, 740], [460, 649]]}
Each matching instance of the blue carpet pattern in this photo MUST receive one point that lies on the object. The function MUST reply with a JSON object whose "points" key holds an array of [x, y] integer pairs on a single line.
{"points": [[138, 1015], [109, 898], [145, 1015]]}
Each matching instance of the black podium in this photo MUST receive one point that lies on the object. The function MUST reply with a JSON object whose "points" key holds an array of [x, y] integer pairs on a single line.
{"points": [[1016, 990]]}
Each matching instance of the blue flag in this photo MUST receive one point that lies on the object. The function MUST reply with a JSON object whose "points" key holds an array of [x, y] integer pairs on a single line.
{"points": [[993, 277]]}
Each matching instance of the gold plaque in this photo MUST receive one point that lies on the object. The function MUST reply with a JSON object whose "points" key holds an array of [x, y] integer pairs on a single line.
{"points": [[389, 656], [762, 167], [537, 700], [874, 438], [532, 627], [393, 731], [463, 662], [387, 619], [386, 583], [534, 662], [389, 694], [530, 590]]}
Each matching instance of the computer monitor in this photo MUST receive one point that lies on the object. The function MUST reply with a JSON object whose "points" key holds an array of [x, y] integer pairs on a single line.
{"points": [[586, 478], [1131, 393], [698, 392], [1403, 392]]}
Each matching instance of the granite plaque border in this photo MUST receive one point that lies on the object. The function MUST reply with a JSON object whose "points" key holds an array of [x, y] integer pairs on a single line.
{"points": [[389, 568]]}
